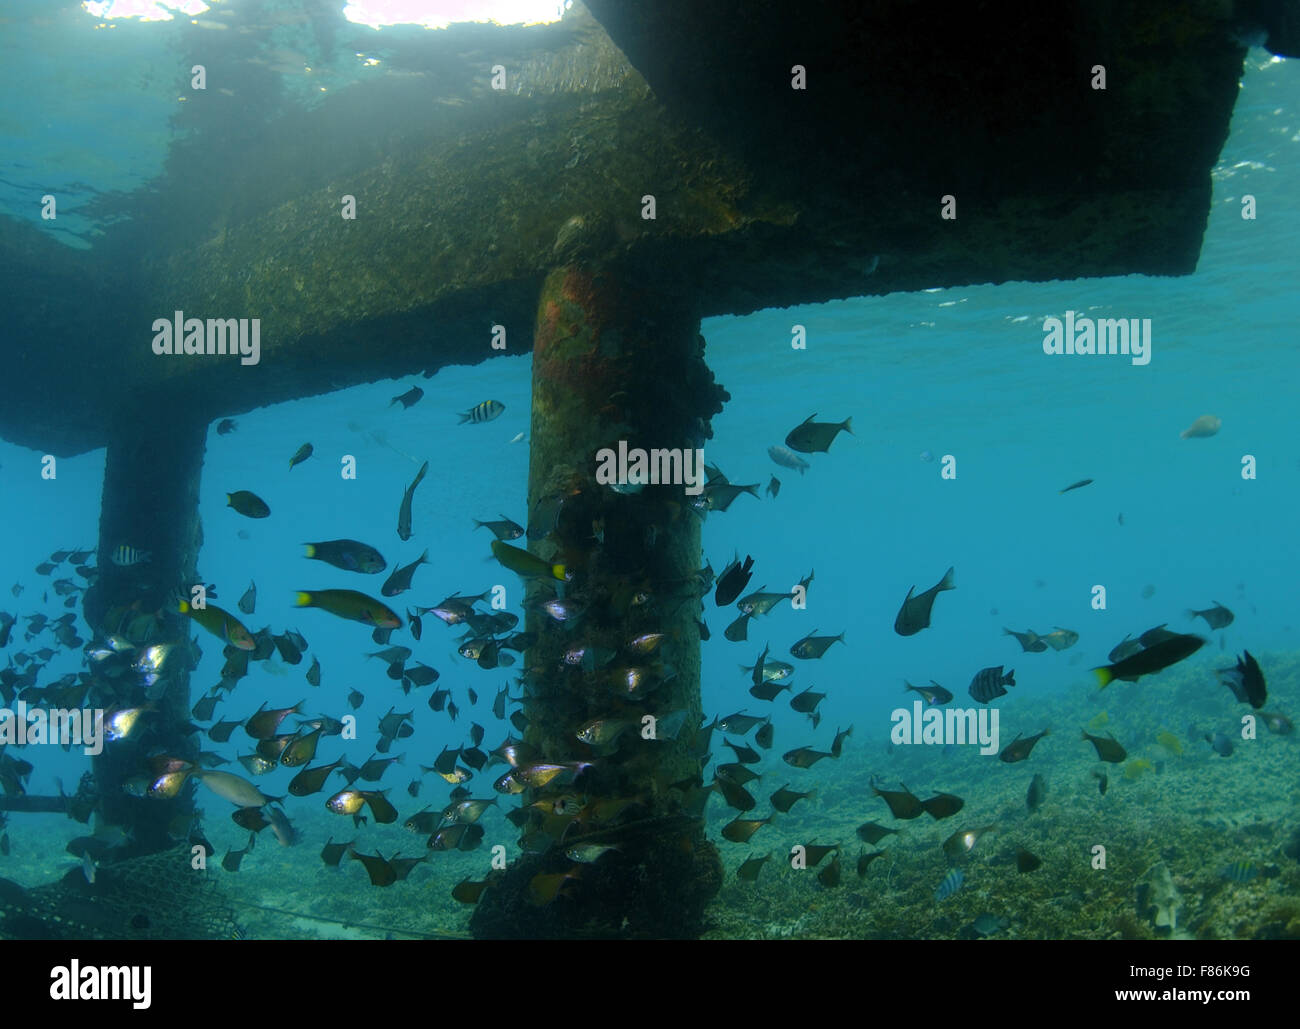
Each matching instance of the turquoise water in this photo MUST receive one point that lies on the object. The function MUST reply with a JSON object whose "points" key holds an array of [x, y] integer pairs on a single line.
{"points": [[949, 372]]}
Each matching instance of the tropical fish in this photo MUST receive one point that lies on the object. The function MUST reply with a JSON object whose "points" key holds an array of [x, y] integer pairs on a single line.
{"points": [[988, 683], [1239, 871], [1216, 617], [804, 757], [221, 624], [300, 455], [813, 646], [933, 694], [525, 564], [404, 512], [1169, 741], [1220, 743], [1154, 658], [809, 437], [864, 862], [902, 803], [482, 412], [1030, 642], [312, 780], [1061, 639], [740, 830], [873, 833], [785, 798], [249, 600], [1027, 862], [1137, 768], [504, 530], [123, 556], [1075, 485], [773, 487], [748, 871], [950, 885], [1204, 426], [226, 426], [1037, 792], [411, 397], [237, 790], [787, 459], [943, 805], [1245, 680], [349, 555], [1102, 782], [914, 615], [350, 604], [1108, 748], [350, 801], [1018, 749], [734, 578], [961, 843], [400, 580], [250, 505]]}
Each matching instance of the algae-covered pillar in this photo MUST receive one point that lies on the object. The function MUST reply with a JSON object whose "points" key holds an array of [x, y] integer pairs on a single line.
{"points": [[150, 504], [612, 364]]}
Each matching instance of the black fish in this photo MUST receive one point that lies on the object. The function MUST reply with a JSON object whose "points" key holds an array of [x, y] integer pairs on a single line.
{"points": [[1075, 485], [400, 580], [902, 804], [737, 631], [1025, 861], [873, 833], [411, 396], [1108, 748], [933, 694], [1030, 642], [1245, 680], [914, 615], [249, 600], [806, 702], [809, 437], [1154, 658], [943, 805], [404, 512], [988, 683], [1018, 749], [1216, 617], [765, 736], [226, 426], [1037, 793], [733, 579]]}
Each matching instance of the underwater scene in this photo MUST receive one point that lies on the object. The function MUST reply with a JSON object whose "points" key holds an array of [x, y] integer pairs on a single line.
{"points": [[908, 613]]}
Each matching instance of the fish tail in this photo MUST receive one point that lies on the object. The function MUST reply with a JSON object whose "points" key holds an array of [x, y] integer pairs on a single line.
{"points": [[847, 425], [560, 572], [1104, 676], [303, 600], [466, 416], [311, 550]]}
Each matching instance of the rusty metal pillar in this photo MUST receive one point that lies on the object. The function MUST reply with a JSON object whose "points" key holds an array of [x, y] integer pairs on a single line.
{"points": [[613, 363]]}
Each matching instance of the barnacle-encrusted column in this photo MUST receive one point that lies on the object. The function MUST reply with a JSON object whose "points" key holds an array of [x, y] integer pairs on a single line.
{"points": [[150, 502], [611, 363]]}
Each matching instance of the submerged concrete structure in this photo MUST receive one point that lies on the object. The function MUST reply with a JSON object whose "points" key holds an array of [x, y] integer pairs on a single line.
{"points": [[647, 165]]}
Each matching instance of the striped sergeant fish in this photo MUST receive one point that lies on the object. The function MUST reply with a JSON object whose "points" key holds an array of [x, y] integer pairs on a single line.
{"points": [[483, 412], [950, 885], [988, 683], [125, 556]]}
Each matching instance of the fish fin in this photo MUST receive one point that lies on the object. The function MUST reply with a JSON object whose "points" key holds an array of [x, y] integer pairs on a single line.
{"points": [[302, 599], [846, 425], [946, 582]]}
